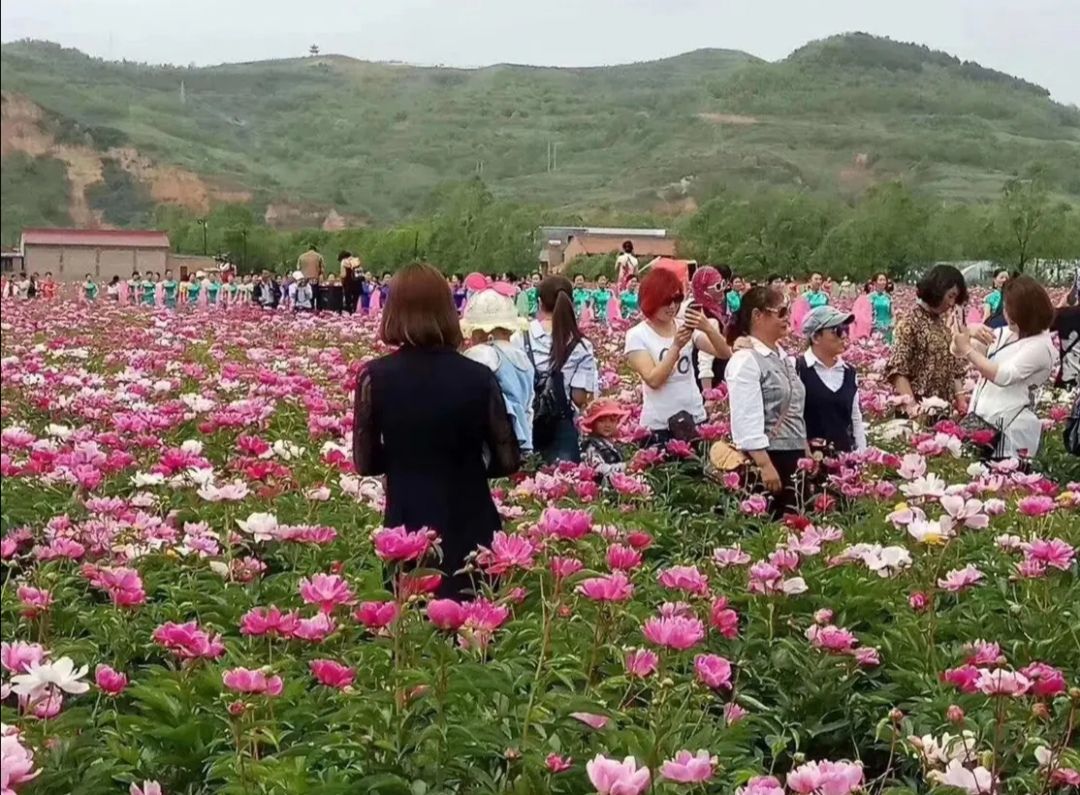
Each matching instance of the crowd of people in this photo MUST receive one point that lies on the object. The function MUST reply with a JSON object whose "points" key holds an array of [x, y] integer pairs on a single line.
{"points": [[488, 373]]}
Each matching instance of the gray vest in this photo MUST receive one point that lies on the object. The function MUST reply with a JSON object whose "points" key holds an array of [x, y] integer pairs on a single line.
{"points": [[784, 398]]}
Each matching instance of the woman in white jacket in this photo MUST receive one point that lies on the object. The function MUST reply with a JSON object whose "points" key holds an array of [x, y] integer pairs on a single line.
{"points": [[1021, 359]]}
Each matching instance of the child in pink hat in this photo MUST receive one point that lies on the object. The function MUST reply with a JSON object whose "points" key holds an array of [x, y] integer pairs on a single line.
{"points": [[600, 426]]}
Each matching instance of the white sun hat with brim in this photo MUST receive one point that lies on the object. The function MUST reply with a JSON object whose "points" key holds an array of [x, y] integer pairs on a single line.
{"points": [[298, 275], [488, 310], [200, 274]]}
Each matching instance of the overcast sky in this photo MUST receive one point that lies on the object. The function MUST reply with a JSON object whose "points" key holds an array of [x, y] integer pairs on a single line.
{"points": [[1035, 39]]}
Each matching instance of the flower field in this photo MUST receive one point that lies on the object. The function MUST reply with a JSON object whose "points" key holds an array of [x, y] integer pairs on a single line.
{"points": [[199, 597]]}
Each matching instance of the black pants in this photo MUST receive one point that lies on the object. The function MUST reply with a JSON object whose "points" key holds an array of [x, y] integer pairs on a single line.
{"points": [[787, 466]]}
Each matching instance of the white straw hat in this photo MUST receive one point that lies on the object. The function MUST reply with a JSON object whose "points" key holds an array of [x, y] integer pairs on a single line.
{"points": [[488, 310], [298, 275]]}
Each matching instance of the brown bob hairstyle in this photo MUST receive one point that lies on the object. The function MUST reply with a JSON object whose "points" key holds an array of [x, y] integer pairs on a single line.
{"points": [[420, 311], [1028, 306]]}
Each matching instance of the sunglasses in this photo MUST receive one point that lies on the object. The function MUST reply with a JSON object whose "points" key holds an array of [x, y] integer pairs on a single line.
{"points": [[780, 311], [678, 298]]}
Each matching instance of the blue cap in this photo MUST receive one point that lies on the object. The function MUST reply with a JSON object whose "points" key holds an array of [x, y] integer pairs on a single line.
{"points": [[824, 317]]}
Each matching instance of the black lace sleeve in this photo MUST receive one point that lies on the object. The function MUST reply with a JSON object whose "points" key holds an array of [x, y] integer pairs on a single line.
{"points": [[367, 442], [503, 448]]}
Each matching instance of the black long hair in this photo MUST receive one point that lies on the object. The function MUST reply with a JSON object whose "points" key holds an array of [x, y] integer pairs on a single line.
{"points": [[760, 298], [556, 298]]}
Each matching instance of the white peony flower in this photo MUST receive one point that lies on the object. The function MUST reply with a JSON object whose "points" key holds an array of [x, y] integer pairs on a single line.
{"points": [[260, 526]]}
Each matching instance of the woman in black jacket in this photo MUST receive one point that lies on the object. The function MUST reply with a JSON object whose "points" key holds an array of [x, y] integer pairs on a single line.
{"points": [[434, 423]]}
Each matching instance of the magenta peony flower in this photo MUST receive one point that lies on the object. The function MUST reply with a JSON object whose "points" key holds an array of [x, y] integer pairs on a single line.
{"points": [[187, 641], [332, 674], [570, 525], [327, 591], [614, 587], [617, 778], [623, 557], [271, 621], [831, 638], [687, 768], [733, 713], [507, 552], [110, 682], [558, 764], [376, 615], [677, 632], [962, 678], [1055, 553], [1046, 680], [34, 600], [754, 506], [1036, 506], [713, 671], [398, 545], [315, 629], [564, 567], [446, 614], [641, 663], [723, 619]]}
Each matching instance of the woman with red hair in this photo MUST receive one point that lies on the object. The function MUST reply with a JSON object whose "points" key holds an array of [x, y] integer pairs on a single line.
{"points": [[659, 350]]}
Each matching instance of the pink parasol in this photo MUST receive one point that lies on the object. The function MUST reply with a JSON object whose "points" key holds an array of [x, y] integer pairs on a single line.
{"points": [[122, 293], [800, 308], [159, 295], [613, 311], [376, 302]]}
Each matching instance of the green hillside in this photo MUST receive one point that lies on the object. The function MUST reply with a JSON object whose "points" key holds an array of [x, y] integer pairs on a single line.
{"points": [[373, 140]]}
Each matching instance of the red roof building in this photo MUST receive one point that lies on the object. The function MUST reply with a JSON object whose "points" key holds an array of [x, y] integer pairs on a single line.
{"points": [[72, 254]]}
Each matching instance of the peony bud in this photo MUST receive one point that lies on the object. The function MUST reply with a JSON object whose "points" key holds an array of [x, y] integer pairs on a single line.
{"points": [[896, 715], [955, 714], [1040, 711]]}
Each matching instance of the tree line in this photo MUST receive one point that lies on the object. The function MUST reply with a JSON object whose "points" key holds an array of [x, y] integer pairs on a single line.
{"points": [[465, 228]]}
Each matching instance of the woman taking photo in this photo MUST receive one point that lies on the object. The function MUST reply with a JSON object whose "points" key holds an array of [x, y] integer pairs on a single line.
{"points": [[434, 423], [659, 350], [921, 365], [1020, 359], [767, 398], [554, 344]]}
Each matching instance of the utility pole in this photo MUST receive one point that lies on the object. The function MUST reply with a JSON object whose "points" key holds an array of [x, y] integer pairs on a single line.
{"points": [[183, 94], [555, 156], [202, 222]]}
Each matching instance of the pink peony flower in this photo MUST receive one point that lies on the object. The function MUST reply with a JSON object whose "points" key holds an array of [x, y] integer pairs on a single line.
{"points": [[507, 552], [866, 657], [614, 587], [754, 506], [980, 652], [826, 778], [147, 788], [1055, 553], [110, 682], [558, 764], [399, 545], [918, 601], [34, 600], [723, 619], [19, 655], [617, 778], [327, 591], [564, 567], [1036, 505], [687, 768], [676, 632], [315, 629], [270, 621], [446, 614], [831, 638], [724, 557], [376, 615], [733, 713], [962, 678], [251, 682], [623, 557], [591, 720], [1001, 682], [761, 785], [713, 671], [958, 580], [187, 641], [1046, 680], [641, 663], [332, 674], [570, 525], [685, 578]]}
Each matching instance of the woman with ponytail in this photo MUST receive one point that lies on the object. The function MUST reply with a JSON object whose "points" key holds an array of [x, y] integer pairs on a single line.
{"points": [[766, 395], [559, 352]]}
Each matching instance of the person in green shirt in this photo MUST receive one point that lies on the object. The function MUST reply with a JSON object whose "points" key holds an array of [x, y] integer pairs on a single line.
{"points": [[628, 301], [994, 304], [169, 289], [193, 288], [601, 297], [213, 286], [582, 295], [148, 288], [881, 307], [734, 295], [816, 296], [90, 288]]}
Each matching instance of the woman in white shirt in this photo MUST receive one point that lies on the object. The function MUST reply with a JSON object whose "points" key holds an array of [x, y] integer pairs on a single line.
{"points": [[659, 350], [626, 265], [767, 397], [1019, 360], [553, 342]]}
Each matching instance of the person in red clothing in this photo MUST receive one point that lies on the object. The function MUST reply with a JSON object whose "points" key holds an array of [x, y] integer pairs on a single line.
{"points": [[48, 287]]}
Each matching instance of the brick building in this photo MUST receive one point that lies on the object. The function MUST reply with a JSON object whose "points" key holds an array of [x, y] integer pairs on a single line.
{"points": [[70, 254], [562, 243]]}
